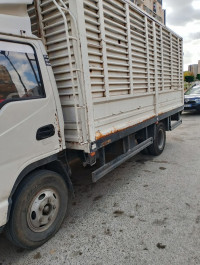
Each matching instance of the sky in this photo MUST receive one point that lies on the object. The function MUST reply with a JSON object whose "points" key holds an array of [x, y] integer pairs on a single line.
{"points": [[183, 17]]}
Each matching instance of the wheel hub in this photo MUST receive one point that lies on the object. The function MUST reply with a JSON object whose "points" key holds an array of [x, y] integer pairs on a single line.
{"points": [[47, 209], [43, 210]]}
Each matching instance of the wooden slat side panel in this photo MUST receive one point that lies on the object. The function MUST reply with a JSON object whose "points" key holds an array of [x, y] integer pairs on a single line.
{"points": [[132, 64]]}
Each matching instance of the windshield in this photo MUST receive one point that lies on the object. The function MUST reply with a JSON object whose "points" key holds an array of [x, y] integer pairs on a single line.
{"points": [[194, 90]]}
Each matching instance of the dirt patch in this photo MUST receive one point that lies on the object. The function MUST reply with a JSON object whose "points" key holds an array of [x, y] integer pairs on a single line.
{"points": [[118, 213], [137, 206], [37, 256], [162, 168], [160, 162], [107, 232], [160, 222], [97, 198], [187, 204], [147, 171], [77, 253], [141, 161], [161, 246]]}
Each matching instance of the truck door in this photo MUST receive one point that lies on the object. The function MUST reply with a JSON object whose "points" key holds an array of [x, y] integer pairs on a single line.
{"points": [[28, 118]]}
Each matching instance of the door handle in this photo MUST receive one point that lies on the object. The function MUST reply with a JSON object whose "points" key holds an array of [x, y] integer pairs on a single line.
{"points": [[45, 132]]}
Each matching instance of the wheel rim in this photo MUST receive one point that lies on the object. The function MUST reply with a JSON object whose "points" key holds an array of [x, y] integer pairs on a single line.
{"points": [[161, 139], [43, 210]]}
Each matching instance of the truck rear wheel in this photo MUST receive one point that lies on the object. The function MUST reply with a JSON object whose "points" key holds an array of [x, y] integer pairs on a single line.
{"points": [[38, 210], [159, 140]]}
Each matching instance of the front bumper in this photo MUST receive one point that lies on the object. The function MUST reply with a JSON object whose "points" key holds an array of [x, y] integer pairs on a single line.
{"points": [[192, 106]]}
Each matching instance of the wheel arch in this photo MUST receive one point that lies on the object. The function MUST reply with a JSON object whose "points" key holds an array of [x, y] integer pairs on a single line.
{"points": [[56, 163]]}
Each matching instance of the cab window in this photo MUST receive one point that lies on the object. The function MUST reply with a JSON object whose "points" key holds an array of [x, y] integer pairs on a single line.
{"points": [[19, 73]]}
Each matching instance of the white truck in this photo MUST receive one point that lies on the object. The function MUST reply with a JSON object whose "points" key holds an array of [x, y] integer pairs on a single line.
{"points": [[90, 79]]}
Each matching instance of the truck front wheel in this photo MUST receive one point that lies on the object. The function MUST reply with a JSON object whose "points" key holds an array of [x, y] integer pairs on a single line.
{"points": [[159, 140], [38, 210]]}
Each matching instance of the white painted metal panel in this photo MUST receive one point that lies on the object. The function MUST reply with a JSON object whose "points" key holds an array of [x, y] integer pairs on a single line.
{"points": [[14, 18], [114, 65], [16, 2]]}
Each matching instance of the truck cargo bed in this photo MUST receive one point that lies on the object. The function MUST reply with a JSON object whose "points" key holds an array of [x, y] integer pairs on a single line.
{"points": [[114, 65]]}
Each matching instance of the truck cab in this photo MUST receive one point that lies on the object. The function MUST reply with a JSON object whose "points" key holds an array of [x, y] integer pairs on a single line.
{"points": [[31, 131]]}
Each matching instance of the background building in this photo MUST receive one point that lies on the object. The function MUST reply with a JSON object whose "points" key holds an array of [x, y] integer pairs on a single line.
{"points": [[6, 84], [153, 7], [193, 68]]}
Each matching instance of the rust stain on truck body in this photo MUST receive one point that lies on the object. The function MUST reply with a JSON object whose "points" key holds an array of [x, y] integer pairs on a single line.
{"points": [[99, 135]]}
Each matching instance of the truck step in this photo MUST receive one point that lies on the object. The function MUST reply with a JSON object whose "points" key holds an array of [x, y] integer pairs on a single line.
{"points": [[105, 169]]}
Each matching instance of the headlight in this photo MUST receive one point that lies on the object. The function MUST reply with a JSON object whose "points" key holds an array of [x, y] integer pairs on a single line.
{"points": [[197, 100]]}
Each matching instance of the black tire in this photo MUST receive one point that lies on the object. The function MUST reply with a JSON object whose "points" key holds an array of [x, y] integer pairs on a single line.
{"points": [[159, 141], [38, 209]]}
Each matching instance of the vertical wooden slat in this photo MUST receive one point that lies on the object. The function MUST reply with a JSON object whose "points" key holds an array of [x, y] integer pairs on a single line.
{"points": [[129, 47], [104, 50], [162, 60], [171, 57], [147, 51], [156, 70]]}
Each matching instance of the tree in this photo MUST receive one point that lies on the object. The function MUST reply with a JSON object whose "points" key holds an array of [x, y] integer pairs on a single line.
{"points": [[187, 73], [198, 77], [188, 77]]}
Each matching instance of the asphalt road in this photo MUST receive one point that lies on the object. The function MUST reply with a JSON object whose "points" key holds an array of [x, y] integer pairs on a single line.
{"points": [[146, 212]]}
